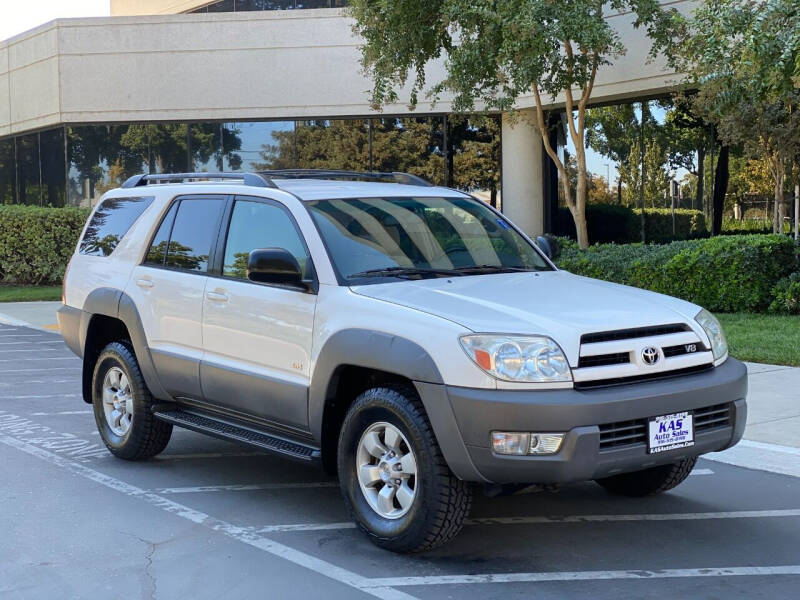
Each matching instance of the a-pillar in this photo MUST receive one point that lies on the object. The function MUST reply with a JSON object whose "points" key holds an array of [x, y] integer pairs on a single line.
{"points": [[522, 189]]}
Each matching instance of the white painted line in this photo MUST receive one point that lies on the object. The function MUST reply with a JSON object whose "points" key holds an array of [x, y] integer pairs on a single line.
{"points": [[63, 412], [39, 397], [36, 370], [40, 350], [16, 335], [237, 533], [702, 472], [761, 457], [544, 520], [586, 576], [30, 343], [27, 360], [246, 487]]}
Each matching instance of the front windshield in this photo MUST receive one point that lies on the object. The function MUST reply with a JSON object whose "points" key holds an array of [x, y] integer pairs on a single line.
{"points": [[371, 238]]}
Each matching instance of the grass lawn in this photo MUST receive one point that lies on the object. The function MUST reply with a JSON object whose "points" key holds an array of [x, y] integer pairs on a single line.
{"points": [[770, 339], [29, 293]]}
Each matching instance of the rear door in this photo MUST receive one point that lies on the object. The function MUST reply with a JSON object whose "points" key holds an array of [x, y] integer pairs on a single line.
{"points": [[257, 337], [168, 288]]}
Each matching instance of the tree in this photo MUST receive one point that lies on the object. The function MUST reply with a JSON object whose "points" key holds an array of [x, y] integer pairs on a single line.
{"points": [[742, 57], [612, 131], [498, 51]]}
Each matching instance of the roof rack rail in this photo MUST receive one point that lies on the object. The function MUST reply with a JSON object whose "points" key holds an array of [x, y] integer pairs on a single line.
{"points": [[251, 179], [395, 176]]}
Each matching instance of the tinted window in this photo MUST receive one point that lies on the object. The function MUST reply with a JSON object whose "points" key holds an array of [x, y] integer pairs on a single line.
{"points": [[112, 220], [260, 225], [193, 233], [158, 249]]}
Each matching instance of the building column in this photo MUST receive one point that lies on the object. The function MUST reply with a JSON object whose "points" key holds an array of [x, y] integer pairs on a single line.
{"points": [[522, 189]]}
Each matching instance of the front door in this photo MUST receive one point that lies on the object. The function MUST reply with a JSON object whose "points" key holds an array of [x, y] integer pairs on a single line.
{"points": [[257, 337]]}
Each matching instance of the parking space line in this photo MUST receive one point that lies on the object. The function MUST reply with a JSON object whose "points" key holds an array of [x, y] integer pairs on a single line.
{"points": [[39, 397], [36, 370], [27, 343], [246, 487], [543, 520], [586, 576], [277, 549], [63, 412], [761, 457]]}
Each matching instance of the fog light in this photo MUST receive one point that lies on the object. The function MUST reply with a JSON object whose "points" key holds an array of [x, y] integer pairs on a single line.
{"points": [[545, 443], [510, 443], [521, 444]]}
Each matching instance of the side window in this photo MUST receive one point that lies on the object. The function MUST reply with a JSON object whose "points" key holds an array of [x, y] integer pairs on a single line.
{"points": [[193, 233], [110, 222], [158, 249], [261, 225]]}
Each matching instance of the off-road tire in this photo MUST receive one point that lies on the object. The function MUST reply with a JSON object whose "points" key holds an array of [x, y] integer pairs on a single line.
{"points": [[649, 482], [442, 501], [147, 436]]}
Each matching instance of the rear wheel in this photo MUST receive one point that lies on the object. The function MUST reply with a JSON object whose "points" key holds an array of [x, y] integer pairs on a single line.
{"points": [[649, 482], [122, 406], [393, 476]]}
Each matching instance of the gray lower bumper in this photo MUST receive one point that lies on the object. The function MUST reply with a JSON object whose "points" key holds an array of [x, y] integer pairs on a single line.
{"points": [[580, 413]]}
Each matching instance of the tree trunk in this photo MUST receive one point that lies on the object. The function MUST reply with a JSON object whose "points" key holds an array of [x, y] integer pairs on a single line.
{"points": [[701, 174], [619, 190], [720, 190], [777, 224], [493, 197]]}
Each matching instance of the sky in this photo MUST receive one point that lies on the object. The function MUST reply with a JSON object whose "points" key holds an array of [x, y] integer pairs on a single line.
{"points": [[17, 16]]}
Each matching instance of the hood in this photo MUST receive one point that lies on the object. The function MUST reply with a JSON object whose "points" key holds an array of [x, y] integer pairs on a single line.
{"points": [[554, 303]]}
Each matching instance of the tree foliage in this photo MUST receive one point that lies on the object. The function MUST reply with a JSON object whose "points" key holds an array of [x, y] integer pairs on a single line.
{"points": [[495, 52]]}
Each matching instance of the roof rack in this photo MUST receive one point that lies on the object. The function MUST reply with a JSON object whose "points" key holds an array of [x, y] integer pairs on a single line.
{"points": [[251, 179], [395, 176]]}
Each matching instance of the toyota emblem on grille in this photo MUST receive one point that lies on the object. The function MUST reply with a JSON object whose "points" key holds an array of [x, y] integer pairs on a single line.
{"points": [[650, 355]]}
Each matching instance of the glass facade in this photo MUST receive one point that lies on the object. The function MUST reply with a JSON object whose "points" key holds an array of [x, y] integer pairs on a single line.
{"points": [[251, 5], [74, 166]]}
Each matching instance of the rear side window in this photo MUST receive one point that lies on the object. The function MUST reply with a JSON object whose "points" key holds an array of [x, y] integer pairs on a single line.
{"points": [[187, 234], [110, 222]]}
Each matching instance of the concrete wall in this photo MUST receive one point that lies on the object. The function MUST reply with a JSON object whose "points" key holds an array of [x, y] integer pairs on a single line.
{"points": [[254, 65]]}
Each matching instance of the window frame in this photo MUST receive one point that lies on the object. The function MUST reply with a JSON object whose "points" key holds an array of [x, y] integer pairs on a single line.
{"points": [[226, 201], [222, 241], [147, 199]]}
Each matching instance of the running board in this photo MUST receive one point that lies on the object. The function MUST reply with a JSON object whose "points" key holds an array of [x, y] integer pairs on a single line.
{"points": [[237, 433]]}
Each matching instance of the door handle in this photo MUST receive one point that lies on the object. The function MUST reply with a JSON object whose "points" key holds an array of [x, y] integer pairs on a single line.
{"points": [[144, 283], [217, 296]]}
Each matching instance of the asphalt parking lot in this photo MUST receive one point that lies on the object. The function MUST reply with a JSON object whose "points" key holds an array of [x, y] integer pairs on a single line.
{"points": [[208, 519]]}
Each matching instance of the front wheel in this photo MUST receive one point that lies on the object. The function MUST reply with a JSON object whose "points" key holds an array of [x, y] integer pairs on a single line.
{"points": [[393, 476], [649, 482]]}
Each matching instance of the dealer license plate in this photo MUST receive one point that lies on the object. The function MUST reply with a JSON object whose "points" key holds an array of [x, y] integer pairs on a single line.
{"points": [[670, 432]]}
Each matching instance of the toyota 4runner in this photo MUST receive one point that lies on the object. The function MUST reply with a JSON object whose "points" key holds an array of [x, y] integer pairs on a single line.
{"points": [[406, 337]]}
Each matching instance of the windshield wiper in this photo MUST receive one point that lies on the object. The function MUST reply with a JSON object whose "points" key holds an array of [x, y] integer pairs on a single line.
{"points": [[403, 271], [492, 269]]}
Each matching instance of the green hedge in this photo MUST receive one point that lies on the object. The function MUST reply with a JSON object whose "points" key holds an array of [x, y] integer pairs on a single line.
{"points": [[622, 224], [725, 274], [786, 296], [36, 243]]}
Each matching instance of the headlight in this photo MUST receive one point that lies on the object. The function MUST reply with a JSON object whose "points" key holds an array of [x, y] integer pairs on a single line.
{"points": [[713, 329], [517, 357]]}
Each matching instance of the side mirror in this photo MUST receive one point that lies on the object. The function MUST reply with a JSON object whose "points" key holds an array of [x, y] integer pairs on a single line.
{"points": [[274, 265]]}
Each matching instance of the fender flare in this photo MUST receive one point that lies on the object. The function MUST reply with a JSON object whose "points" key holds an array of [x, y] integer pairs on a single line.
{"points": [[392, 354], [116, 304]]}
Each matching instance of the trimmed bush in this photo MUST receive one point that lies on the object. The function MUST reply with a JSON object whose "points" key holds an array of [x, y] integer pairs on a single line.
{"points": [[725, 274], [622, 224], [786, 296], [36, 242]]}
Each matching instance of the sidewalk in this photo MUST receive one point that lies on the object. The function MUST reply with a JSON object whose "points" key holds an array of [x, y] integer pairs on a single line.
{"points": [[771, 438]]}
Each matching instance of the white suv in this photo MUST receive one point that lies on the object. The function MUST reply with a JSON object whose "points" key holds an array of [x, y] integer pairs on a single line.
{"points": [[407, 337]]}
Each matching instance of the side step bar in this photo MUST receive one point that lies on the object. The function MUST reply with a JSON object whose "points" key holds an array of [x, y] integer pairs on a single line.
{"points": [[238, 433]]}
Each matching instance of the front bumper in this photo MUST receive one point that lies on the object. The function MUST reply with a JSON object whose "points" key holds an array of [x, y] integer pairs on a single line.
{"points": [[582, 414]]}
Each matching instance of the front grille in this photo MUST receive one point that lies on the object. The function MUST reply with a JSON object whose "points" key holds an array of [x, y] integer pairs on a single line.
{"points": [[601, 383], [634, 432], [602, 360], [636, 332]]}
